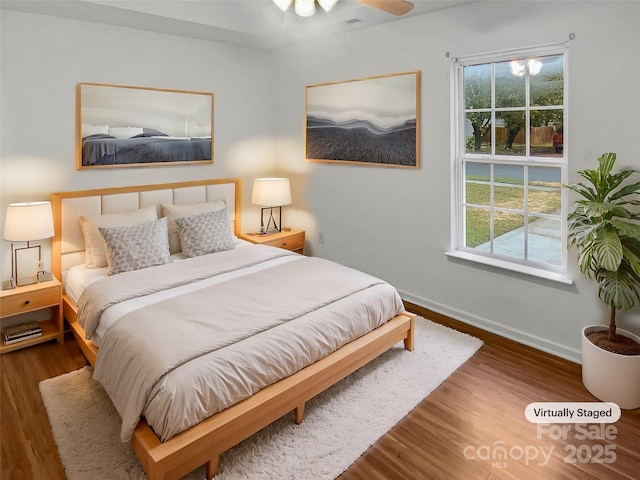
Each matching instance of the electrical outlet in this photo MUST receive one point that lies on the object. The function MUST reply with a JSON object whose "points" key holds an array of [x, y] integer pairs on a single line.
{"points": [[321, 238]]}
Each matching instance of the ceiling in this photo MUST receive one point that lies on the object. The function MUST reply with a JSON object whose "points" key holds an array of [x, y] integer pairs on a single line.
{"points": [[253, 23]]}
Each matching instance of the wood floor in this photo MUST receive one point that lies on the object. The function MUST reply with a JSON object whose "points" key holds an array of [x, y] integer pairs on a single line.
{"points": [[452, 434]]}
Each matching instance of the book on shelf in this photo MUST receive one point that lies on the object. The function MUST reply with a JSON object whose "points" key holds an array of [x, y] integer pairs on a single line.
{"points": [[17, 333], [9, 341]]}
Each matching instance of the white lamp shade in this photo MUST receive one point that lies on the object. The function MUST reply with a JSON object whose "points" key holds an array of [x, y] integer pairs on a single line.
{"points": [[271, 192], [28, 221]]}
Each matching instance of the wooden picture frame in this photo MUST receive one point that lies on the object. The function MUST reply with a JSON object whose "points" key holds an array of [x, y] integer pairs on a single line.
{"points": [[124, 126], [367, 121]]}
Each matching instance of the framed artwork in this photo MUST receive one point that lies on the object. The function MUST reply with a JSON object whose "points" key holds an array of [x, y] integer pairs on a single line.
{"points": [[368, 121], [123, 126]]}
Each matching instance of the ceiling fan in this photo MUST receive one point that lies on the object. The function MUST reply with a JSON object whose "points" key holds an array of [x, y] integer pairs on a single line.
{"points": [[306, 8]]}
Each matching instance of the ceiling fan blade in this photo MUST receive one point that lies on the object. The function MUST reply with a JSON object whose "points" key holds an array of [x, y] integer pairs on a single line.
{"points": [[395, 7]]}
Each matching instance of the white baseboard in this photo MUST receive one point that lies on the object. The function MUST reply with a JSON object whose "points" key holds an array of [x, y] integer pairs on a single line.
{"points": [[563, 351]]}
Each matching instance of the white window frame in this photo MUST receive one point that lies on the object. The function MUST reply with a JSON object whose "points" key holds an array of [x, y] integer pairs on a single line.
{"points": [[458, 155]]}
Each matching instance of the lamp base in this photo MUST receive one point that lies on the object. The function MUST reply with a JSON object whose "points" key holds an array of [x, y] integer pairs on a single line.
{"points": [[9, 284], [272, 226], [45, 276], [21, 282], [270, 232]]}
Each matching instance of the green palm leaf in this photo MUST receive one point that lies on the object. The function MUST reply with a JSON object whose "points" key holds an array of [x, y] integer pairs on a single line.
{"points": [[605, 163], [607, 249], [617, 289], [633, 189], [582, 189], [631, 252], [627, 228]]}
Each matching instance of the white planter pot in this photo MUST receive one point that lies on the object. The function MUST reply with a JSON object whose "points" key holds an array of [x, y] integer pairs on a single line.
{"points": [[609, 376]]}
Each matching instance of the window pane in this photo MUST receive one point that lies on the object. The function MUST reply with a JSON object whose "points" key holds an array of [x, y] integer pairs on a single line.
{"points": [[477, 227], [477, 186], [510, 133], [513, 117], [477, 131], [477, 86], [547, 85], [545, 243], [509, 86], [546, 134], [508, 189], [509, 234], [544, 190]]}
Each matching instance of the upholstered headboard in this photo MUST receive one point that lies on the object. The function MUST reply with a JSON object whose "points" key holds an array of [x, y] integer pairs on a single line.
{"points": [[68, 247]]}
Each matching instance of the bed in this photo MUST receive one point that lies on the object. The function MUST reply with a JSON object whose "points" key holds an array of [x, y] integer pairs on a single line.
{"points": [[284, 321], [101, 149]]}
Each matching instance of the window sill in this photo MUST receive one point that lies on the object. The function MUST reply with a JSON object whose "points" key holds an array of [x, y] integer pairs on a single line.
{"points": [[514, 267]]}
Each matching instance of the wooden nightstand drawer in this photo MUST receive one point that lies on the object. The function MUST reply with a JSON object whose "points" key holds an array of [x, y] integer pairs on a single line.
{"points": [[288, 239], [293, 242], [30, 301]]}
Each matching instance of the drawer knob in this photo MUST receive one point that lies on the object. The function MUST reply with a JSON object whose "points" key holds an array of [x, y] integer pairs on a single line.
{"points": [[26, 302]]}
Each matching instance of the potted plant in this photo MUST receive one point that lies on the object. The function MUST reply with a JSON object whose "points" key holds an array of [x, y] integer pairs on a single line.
{"points": [[607, 237]]}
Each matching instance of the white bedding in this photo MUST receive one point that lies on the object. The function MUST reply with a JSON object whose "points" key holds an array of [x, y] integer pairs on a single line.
{"points": [[227, 339], [79, 278]]}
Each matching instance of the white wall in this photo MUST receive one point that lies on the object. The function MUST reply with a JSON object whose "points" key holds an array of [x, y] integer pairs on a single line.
{"points": [[396, 223], [390, 222], [43, 58]]}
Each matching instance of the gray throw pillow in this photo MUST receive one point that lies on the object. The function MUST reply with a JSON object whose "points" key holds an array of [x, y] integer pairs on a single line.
{"points": [[137, 246], [205, 233]]}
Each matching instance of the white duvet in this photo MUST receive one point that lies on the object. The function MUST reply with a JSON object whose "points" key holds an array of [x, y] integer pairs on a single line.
{"points": [[218, 335]]}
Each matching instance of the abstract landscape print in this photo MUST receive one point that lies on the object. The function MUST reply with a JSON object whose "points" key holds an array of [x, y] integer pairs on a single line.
{"points": [[373, 121]]}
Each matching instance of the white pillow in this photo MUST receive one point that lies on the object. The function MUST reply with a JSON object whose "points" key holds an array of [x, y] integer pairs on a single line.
{"points": [[88, 129], [176, 211], [125, 132], [136, 246], [205, 233], [95, 254]]}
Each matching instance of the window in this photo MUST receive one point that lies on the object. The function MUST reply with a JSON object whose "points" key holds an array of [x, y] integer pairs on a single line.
{"points": [[509, 163]]}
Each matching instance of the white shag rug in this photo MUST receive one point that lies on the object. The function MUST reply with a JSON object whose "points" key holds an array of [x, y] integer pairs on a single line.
{"points": [[339, 425]]}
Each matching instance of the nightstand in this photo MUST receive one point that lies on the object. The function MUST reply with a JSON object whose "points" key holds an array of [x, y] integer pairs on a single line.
{"points": [[31, 298], [288, 239]]}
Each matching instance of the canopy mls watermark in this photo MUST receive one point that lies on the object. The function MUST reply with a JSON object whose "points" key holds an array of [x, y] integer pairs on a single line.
{"points": [[580, 432]]}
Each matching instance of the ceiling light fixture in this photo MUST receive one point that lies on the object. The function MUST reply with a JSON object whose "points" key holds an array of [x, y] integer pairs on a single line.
{"points": [[305, 8]]}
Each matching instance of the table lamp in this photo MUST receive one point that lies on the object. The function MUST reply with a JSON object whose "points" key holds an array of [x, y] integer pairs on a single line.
{"points": [[271, 193], [27, 222]]}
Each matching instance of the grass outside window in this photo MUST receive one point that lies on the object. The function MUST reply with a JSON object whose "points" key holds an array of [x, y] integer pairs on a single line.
{"points": [[546, 201]]}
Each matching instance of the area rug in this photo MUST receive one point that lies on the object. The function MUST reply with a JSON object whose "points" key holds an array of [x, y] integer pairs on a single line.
{"points": [[339, 425]]}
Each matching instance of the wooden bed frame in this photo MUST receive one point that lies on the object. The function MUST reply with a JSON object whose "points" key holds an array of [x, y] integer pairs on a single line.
{"points": [[203, 443]]}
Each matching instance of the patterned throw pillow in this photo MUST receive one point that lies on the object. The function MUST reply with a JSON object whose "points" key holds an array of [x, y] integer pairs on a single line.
{"points": [[185, 210], [205, 233], [96, 256], [137, 246]]}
